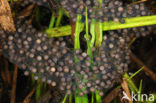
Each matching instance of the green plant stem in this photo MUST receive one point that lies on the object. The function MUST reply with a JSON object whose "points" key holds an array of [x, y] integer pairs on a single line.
{"points": [[101, 33], [92, 98], [130, 23], [61, 31], [130, 82], [85, 98], [89, 52], [38, 90], [131, 88], [66, 13], [140, 87], [70, 98], [136, 72], [64, 100], [78, 99], [77, 33], [110, 25], [92, 31], [100, 2], [52, 21], [131, 42], [98, 97], [60, 15]]}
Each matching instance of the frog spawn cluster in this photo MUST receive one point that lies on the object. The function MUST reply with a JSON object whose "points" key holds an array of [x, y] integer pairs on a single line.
{"points": [[53, 61], [104, 11], [107, 10]]}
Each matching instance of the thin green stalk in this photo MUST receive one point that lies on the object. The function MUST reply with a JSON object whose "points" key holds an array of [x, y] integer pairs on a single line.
{"points": [[70, 98], [100, 2], [85, 98], [129, 24], [64, 100], [97, 43], [140, 87], [92, 31], [132, 41], [38, 90], [130, 82], [139, 19], [92, 98], [52, 21], [60, 15], [131, 88], [89, 52], [78, 99], [61, 31], [98, 97], [110, 25], [101, 32], [65, 13], [136, 72], [77, 32]]}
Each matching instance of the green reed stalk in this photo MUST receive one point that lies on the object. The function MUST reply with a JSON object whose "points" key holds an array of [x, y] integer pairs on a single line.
{"points": [[109, 25], [60, 15], [52, 21]]}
